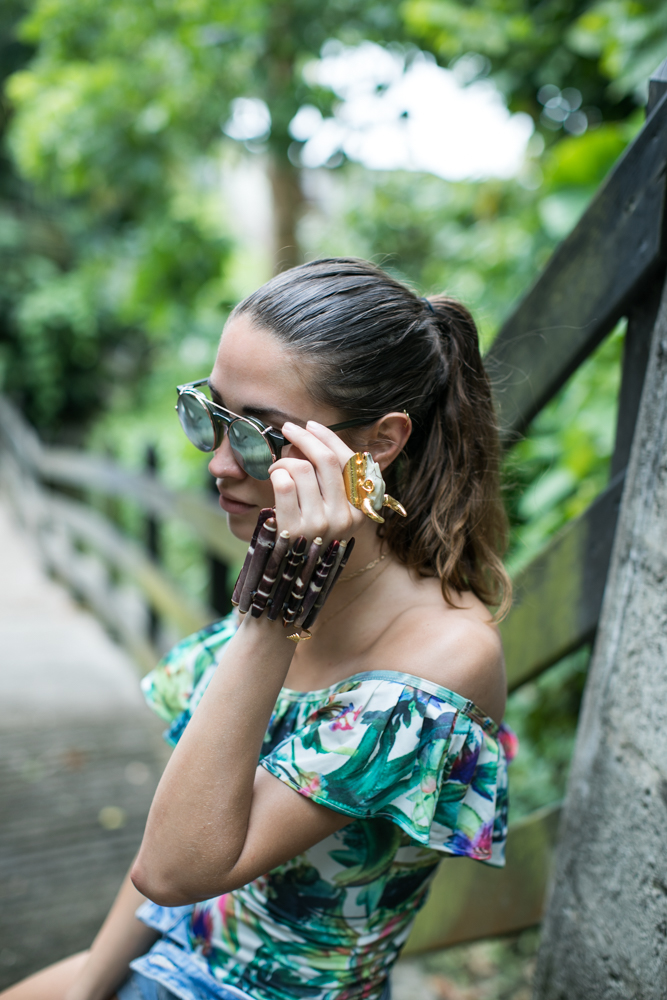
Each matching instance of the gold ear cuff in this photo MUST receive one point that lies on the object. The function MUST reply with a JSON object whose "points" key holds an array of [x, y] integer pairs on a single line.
{"points": [[365, 486]]}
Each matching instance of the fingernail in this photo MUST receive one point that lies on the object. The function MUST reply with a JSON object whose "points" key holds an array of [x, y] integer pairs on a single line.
{"points": [[313, 423]]}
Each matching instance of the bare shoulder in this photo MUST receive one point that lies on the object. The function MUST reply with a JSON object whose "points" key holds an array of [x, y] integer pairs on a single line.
{"points": [[458, 648]]}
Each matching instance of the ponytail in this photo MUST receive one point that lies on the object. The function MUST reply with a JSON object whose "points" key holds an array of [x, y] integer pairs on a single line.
{"points": [[378, 348], [448, 475]]}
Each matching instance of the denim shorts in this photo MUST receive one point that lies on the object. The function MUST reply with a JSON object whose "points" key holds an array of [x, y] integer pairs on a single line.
{"points": [[139, 987]]}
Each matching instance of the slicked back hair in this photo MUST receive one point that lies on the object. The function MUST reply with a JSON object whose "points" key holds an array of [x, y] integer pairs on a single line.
{"points": [[375, 347]]}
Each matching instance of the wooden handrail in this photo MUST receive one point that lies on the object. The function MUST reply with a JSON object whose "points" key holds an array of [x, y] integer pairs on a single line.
{"points": [[66, 467], [558, 596], [587, 284], [61, 526], [469, 901], [87, 526]]}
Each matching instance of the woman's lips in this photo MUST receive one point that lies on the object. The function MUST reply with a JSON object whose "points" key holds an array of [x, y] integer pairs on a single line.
{"points": [[232, 506]]}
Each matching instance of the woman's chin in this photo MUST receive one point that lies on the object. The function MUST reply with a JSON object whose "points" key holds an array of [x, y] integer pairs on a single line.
{"points": [[242, 526]]}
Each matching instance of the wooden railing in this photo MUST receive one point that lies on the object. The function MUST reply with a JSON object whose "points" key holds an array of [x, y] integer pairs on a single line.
{"points": [[611, 266], [89, 553]]}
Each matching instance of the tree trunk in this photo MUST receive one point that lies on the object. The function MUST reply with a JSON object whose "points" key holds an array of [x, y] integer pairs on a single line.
{"points": [[605, 933], [287, 207]]}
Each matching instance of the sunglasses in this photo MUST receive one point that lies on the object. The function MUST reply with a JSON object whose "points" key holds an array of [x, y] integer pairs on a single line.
{"points": [[255, 445]]}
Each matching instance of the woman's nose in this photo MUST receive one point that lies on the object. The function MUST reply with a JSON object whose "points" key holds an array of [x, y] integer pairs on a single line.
{"points": [[224, 464]]}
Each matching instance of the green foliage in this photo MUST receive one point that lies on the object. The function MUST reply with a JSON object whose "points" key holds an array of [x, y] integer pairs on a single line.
{"points": [[94, 289], [116, 134], [626, 37], [117, 125], [132, 91], [484, 242], [60, 348], [561, 466], [606, 49], [496, 969]]}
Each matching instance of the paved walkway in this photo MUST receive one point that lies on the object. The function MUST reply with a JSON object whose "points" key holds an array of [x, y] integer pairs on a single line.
{"points": [[80, 756]]}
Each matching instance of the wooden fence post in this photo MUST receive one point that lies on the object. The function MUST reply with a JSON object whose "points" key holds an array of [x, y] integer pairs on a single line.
{"points": [[605, 933]]}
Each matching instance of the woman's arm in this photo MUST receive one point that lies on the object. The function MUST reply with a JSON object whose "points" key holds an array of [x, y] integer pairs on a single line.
{"points": [[215, 822], [217, 819], [121, 938]]}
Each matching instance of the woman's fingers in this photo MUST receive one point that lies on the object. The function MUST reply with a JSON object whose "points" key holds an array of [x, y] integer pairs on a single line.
{"points": [[327, 462], [299, 504], [331, 440], [329, 516], [317, 482], [288, 511]]}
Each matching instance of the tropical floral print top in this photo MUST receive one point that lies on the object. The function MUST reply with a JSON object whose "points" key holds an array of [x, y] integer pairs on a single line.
{"points": [[422, 772]]}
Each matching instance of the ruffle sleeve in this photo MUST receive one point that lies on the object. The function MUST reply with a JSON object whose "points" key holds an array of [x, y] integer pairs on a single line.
{"points": [[172, 689], [396, 746]]}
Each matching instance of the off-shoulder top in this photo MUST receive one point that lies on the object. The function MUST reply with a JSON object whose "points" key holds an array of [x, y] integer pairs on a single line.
{"points": [[423, 774]]}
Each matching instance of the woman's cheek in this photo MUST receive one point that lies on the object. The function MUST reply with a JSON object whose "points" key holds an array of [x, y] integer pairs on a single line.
{"points": [[242, 526]]}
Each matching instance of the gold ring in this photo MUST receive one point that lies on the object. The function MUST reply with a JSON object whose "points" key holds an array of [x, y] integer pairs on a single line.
{"points": [[295, 637], [365, 487]]}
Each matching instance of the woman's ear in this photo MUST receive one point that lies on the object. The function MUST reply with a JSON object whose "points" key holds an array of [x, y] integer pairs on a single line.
{"points": [[388, 437]]}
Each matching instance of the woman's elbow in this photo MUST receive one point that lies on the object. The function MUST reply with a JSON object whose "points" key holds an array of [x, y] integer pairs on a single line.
{"points": [[160, 887], [181, 886]]}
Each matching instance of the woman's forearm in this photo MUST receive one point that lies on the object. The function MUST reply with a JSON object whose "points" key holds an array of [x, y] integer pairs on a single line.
{"points": [[121, 938], [199, 818]]}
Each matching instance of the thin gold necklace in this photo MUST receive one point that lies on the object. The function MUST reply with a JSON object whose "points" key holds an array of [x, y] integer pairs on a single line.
{"points": [[364, 569], [356, 596]]}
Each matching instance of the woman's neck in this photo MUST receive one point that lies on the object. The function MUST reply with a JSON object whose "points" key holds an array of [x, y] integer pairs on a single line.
{"points": [[367, 547]]}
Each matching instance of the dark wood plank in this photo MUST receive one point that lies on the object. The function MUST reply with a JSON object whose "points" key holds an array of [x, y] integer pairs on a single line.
{"points": [[559, 595], [657, 87], [641, 320], [587, 285], [469, 900]]}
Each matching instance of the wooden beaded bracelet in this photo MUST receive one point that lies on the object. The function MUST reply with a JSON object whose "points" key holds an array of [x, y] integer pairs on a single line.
{"points": [[286, 580]]}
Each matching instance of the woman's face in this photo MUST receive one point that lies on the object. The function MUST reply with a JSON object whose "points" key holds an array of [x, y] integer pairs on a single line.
{"points": [[255, 375]]}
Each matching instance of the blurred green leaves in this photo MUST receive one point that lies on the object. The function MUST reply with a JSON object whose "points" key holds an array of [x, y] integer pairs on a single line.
{"points": [[606, 49], [561, 466], [115, 135]]}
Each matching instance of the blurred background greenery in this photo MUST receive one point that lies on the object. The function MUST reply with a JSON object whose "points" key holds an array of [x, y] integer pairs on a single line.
{"points": [[155, 168]]}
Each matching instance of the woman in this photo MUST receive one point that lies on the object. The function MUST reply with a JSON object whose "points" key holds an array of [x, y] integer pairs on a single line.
{"points": [[378, 740]]}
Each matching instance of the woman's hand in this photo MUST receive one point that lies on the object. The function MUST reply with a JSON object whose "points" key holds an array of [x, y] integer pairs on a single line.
{"points": [[310, 495]]}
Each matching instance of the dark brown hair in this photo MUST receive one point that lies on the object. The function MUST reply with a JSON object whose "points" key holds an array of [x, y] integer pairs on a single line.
{"points": [[376, 347]]}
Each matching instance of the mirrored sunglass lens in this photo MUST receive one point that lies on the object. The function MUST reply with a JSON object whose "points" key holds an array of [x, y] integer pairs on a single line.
{"points": [[196, 422], [251, 450]]}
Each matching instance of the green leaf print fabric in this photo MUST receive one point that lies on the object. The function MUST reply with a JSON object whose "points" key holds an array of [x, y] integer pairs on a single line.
{"points": [[421, 773], [393, 745]]}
